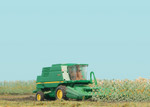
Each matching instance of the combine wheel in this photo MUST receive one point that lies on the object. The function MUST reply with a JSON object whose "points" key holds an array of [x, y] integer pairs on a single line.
{"points": [[39, 96], [61, 92]]}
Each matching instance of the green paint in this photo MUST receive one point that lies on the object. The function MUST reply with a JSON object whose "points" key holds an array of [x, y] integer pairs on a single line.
{"points": [[62, 74]]}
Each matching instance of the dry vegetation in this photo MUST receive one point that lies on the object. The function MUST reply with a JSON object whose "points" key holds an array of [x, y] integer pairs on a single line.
{"points": [[113, 93], [17, 87], [28, 101], [123, 90]]}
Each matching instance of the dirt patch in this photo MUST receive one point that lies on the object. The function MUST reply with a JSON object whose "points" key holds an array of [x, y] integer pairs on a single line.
{"points": [[18, 98]]}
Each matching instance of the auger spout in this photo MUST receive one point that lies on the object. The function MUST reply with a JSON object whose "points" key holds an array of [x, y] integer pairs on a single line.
{"points": [[95, 81]]}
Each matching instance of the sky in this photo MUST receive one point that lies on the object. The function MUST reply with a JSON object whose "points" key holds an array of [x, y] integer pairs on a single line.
{"points": [[112, 36]]}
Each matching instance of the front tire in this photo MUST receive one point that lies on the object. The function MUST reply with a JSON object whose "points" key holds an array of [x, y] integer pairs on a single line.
{"points": [[39, 96], [61, 93]]}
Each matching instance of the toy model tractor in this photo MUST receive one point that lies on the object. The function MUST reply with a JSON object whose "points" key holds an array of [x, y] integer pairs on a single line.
{"points": [[64, 81]]}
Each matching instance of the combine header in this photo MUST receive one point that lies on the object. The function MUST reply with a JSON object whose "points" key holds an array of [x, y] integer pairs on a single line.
{"points": [[64, 81]]}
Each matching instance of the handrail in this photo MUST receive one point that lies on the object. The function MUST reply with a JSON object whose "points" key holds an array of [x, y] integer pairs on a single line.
{"points": [[95, 81]]}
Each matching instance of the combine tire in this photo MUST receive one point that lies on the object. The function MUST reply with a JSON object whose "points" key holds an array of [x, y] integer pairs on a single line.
{"points": [[39, 96], [61, 93]]}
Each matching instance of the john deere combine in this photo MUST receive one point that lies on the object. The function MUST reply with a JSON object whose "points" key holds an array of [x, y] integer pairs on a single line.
{"points": [[64, 81]]}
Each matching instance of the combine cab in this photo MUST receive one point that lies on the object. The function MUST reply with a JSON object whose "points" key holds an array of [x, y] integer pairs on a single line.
{"points": [[64, 81]]}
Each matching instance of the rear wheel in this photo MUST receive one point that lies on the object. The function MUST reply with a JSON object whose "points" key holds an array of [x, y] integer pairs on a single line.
{"points": [[39, 96], [61, 92]]}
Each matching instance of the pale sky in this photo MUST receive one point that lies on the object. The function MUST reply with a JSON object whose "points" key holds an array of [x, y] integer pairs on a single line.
{"points": [[112, 36]]}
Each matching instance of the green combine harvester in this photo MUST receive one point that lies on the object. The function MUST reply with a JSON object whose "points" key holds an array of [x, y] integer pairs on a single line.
{"points": [[64, 81]]}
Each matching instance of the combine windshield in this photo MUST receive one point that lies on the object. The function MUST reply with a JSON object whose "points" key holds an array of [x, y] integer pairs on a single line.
{"points": [[78, 72]]}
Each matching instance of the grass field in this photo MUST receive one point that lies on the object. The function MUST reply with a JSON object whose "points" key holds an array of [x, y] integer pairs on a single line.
{"points": [[17, 87], [28, 101], [113, 93]]}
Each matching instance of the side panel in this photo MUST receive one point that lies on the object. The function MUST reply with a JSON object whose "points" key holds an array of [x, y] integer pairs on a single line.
{"points": [[52, 76]]}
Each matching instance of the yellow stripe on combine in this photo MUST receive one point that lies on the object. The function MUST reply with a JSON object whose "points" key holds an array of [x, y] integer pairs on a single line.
{"points": [[50, 82]]}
